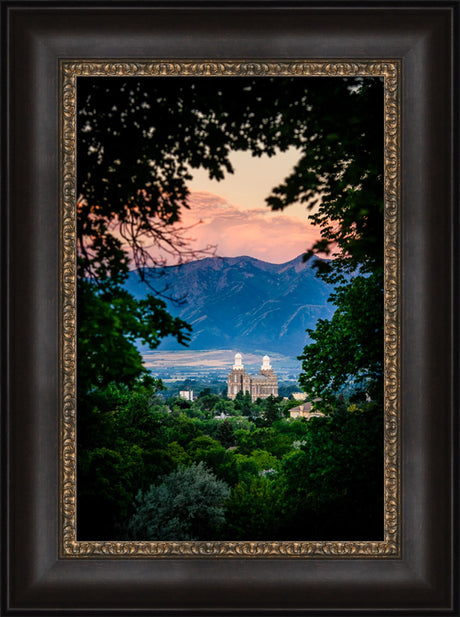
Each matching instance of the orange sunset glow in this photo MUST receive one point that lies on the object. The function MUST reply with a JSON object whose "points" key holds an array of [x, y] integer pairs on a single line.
{"points": [[276, 237], [232, 215]]}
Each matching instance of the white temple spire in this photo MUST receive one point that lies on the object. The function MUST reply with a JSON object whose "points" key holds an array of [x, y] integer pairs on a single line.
{"points": [[266, 366]]}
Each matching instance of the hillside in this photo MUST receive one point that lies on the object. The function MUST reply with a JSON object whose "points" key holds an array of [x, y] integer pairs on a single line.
{"points": [[244, 303]]}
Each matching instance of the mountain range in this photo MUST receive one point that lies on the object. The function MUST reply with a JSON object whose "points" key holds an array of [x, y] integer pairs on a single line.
{"points": [[242, 303]]}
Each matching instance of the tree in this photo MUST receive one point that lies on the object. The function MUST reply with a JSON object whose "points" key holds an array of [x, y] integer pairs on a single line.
{"points": [[207, 401], [121, 441], [243, 403], [253, 511], [225, 433], [272, 411], [348, 348], [182, 429], [225, 406], [333, 485], [341, 172], [209, 451], [187, 505]]}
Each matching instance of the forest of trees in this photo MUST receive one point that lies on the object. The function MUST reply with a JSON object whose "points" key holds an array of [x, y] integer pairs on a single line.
{"points": [[151, 470], [267, 476]]}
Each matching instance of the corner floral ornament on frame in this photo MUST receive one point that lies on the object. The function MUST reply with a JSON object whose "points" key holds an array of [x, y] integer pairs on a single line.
{"points": [[144, 477]]}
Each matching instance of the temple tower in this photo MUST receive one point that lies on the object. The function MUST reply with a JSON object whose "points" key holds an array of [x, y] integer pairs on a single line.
{"points": [[263, 385], [237, 381]]}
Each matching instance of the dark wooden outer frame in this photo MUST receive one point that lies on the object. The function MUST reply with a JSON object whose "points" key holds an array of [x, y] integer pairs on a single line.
{"points": [[424, 37]]}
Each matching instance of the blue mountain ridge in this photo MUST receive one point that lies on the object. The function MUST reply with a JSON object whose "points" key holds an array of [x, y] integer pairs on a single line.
{"points": [[242, 302]]}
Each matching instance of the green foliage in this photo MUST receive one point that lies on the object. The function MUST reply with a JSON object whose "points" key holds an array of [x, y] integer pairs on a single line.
{"points": [[286, 389], [335, 480], [272, 411], [295, 470], [187, 505], [209, 451], [264, 461], [243, 403], [207, 401], [225, 406], [293, 428], [246, 467], [109, 322], [107, 477], [182, 429], [120, 437], [347, 349], [253, 511], [241, 423], [225, 433], [178, 454], [342, 159]]}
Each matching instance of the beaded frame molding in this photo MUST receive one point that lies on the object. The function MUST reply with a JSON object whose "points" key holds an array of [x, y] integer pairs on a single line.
{"points": [[390, 546]]}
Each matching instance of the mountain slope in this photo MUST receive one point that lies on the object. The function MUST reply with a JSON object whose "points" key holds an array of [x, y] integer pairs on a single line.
{"points": [[244, 303]]}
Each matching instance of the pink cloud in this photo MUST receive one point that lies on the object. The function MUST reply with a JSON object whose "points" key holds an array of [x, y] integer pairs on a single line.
{"points": [[212, 221], [275, 237]]}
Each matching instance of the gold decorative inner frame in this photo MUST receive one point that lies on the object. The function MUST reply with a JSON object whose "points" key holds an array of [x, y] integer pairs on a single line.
{"points": [[69, 546]]}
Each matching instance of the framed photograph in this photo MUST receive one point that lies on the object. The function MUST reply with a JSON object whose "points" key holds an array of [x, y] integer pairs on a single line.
{"points": [[223, 455], [230, 308]]}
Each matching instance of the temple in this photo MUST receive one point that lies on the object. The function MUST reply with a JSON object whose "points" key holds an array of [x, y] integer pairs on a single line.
{"points": [[263, 385]]}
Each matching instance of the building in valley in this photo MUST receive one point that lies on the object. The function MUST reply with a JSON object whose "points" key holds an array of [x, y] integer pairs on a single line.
{"points": [[263, 385], [187, 395], [305, 411]]}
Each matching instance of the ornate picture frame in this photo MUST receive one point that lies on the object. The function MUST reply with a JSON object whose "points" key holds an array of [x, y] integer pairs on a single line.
{"points": [[390, 545], [46, 568]]}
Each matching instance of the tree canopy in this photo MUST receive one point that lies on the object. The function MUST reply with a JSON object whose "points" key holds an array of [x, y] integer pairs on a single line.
{"points": [[149, 469]]}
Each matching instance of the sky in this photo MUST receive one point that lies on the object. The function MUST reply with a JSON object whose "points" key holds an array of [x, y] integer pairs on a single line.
{"points": [[231, 214]]}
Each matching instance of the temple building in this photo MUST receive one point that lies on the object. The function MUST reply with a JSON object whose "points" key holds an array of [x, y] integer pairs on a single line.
{"points": [[263, 385]]}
